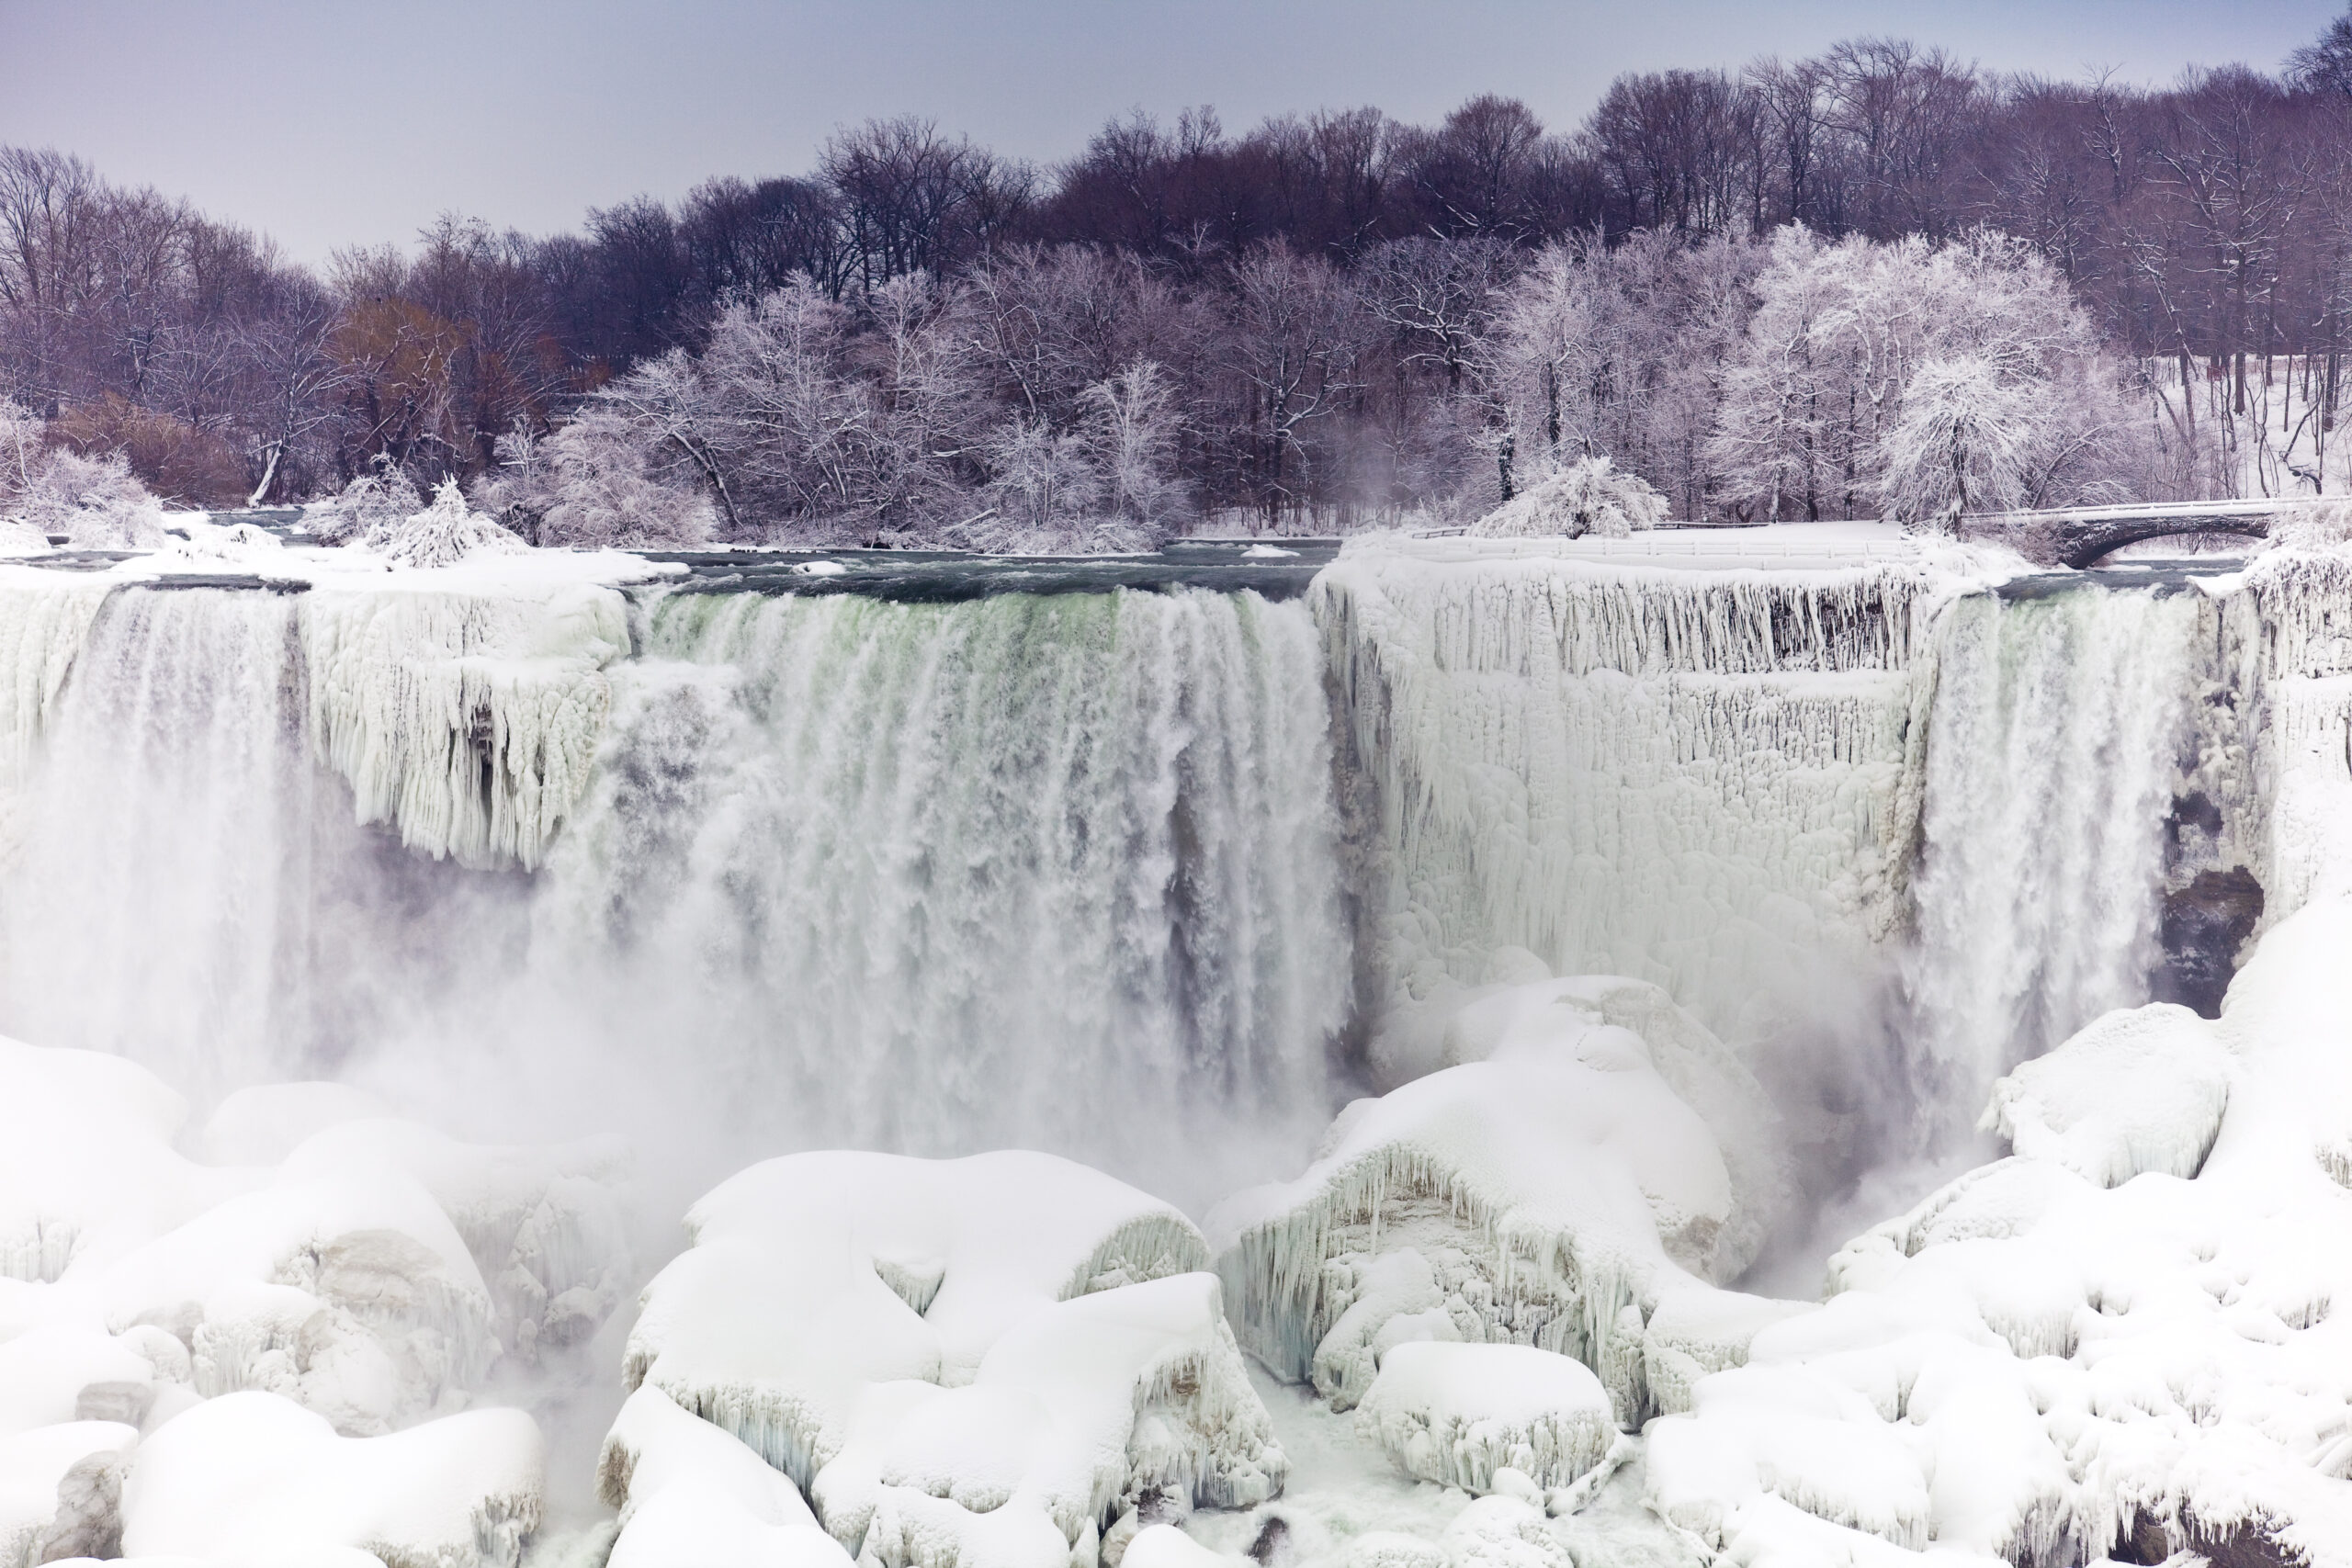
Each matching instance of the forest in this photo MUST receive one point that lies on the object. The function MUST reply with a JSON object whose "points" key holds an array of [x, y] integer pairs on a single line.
{"points": [[1879, 282]]}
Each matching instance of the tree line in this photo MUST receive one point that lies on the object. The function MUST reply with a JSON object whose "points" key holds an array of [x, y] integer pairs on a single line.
{"points": [[1729, 283]]}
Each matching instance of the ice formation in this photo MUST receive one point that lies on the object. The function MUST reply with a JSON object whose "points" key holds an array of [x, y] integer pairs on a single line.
{"points": [[1696, 779], [984, 1360], [1545, 1191], [2120, 1338]]}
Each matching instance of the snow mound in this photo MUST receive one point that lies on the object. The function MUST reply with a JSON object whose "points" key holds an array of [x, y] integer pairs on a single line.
{"points": [[2135, 1091], [1547, 1195], [214, 544], [2120, 1340], [1587, 497], [252, 1475], [1456, 1414], [976, 1360], [444, 533]]}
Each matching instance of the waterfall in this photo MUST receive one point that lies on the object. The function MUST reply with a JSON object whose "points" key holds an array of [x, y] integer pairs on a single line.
{"points": [[2056, 730], [1058, 871], [1047, 870]]}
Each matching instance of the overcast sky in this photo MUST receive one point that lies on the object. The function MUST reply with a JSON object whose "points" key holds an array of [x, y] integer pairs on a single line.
{"points": [[327, 123]]}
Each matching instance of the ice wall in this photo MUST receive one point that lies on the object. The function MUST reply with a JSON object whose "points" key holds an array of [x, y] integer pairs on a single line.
{"points": [[1052, 872], [1698, 779]]}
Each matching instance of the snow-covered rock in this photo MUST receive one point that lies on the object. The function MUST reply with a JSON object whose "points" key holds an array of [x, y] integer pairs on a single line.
{"points": [[1457, 1414], [252, 1475], [691, 1495], [2120, 1338], [1545, 1195], [980, 1360], [61, 1490]]}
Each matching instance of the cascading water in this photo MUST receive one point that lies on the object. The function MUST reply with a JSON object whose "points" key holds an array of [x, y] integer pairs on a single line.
{"points": [[2057, 725], [1056, 871]]}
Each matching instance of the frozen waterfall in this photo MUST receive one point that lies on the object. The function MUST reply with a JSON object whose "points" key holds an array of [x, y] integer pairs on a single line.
{"points": [[1126, 876], [1056, 871]]}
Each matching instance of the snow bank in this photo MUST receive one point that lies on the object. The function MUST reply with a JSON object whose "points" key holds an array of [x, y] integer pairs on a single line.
{"points": [[1456, 1414], [252, 1475], [1547, 1195], [2120, 1338], [984, 1359]]}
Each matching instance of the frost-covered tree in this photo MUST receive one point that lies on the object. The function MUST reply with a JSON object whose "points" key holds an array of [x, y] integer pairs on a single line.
{"points": [[22, 448], [1966, 442], [442, 534], [378, 496], [95, 501], [1044, 487], [592, 486], [1817, 417], [1622, 351], [1130, 421], [1588, 496]]}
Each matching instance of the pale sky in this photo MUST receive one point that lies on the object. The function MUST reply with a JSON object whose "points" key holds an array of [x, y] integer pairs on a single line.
{"points": [[328, 122]]}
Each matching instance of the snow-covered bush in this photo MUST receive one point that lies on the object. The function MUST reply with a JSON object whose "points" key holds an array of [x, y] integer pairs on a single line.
{"points": [[21, 450], [95, 502], [1587, 497], [443, 533], [374, 501], [591, 486]]}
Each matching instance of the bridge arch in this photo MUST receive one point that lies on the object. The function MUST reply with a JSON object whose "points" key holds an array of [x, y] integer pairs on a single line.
{"points": [[2087, 543]]}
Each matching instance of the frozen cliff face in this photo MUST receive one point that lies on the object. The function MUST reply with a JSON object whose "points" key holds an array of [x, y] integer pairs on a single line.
{"points": [[1545, 1192], [1695, 778], [2122, 1337], [984, 1360]]}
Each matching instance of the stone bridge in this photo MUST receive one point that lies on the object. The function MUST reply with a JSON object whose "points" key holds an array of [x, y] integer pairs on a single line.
{"points": [[2080, 537]]}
